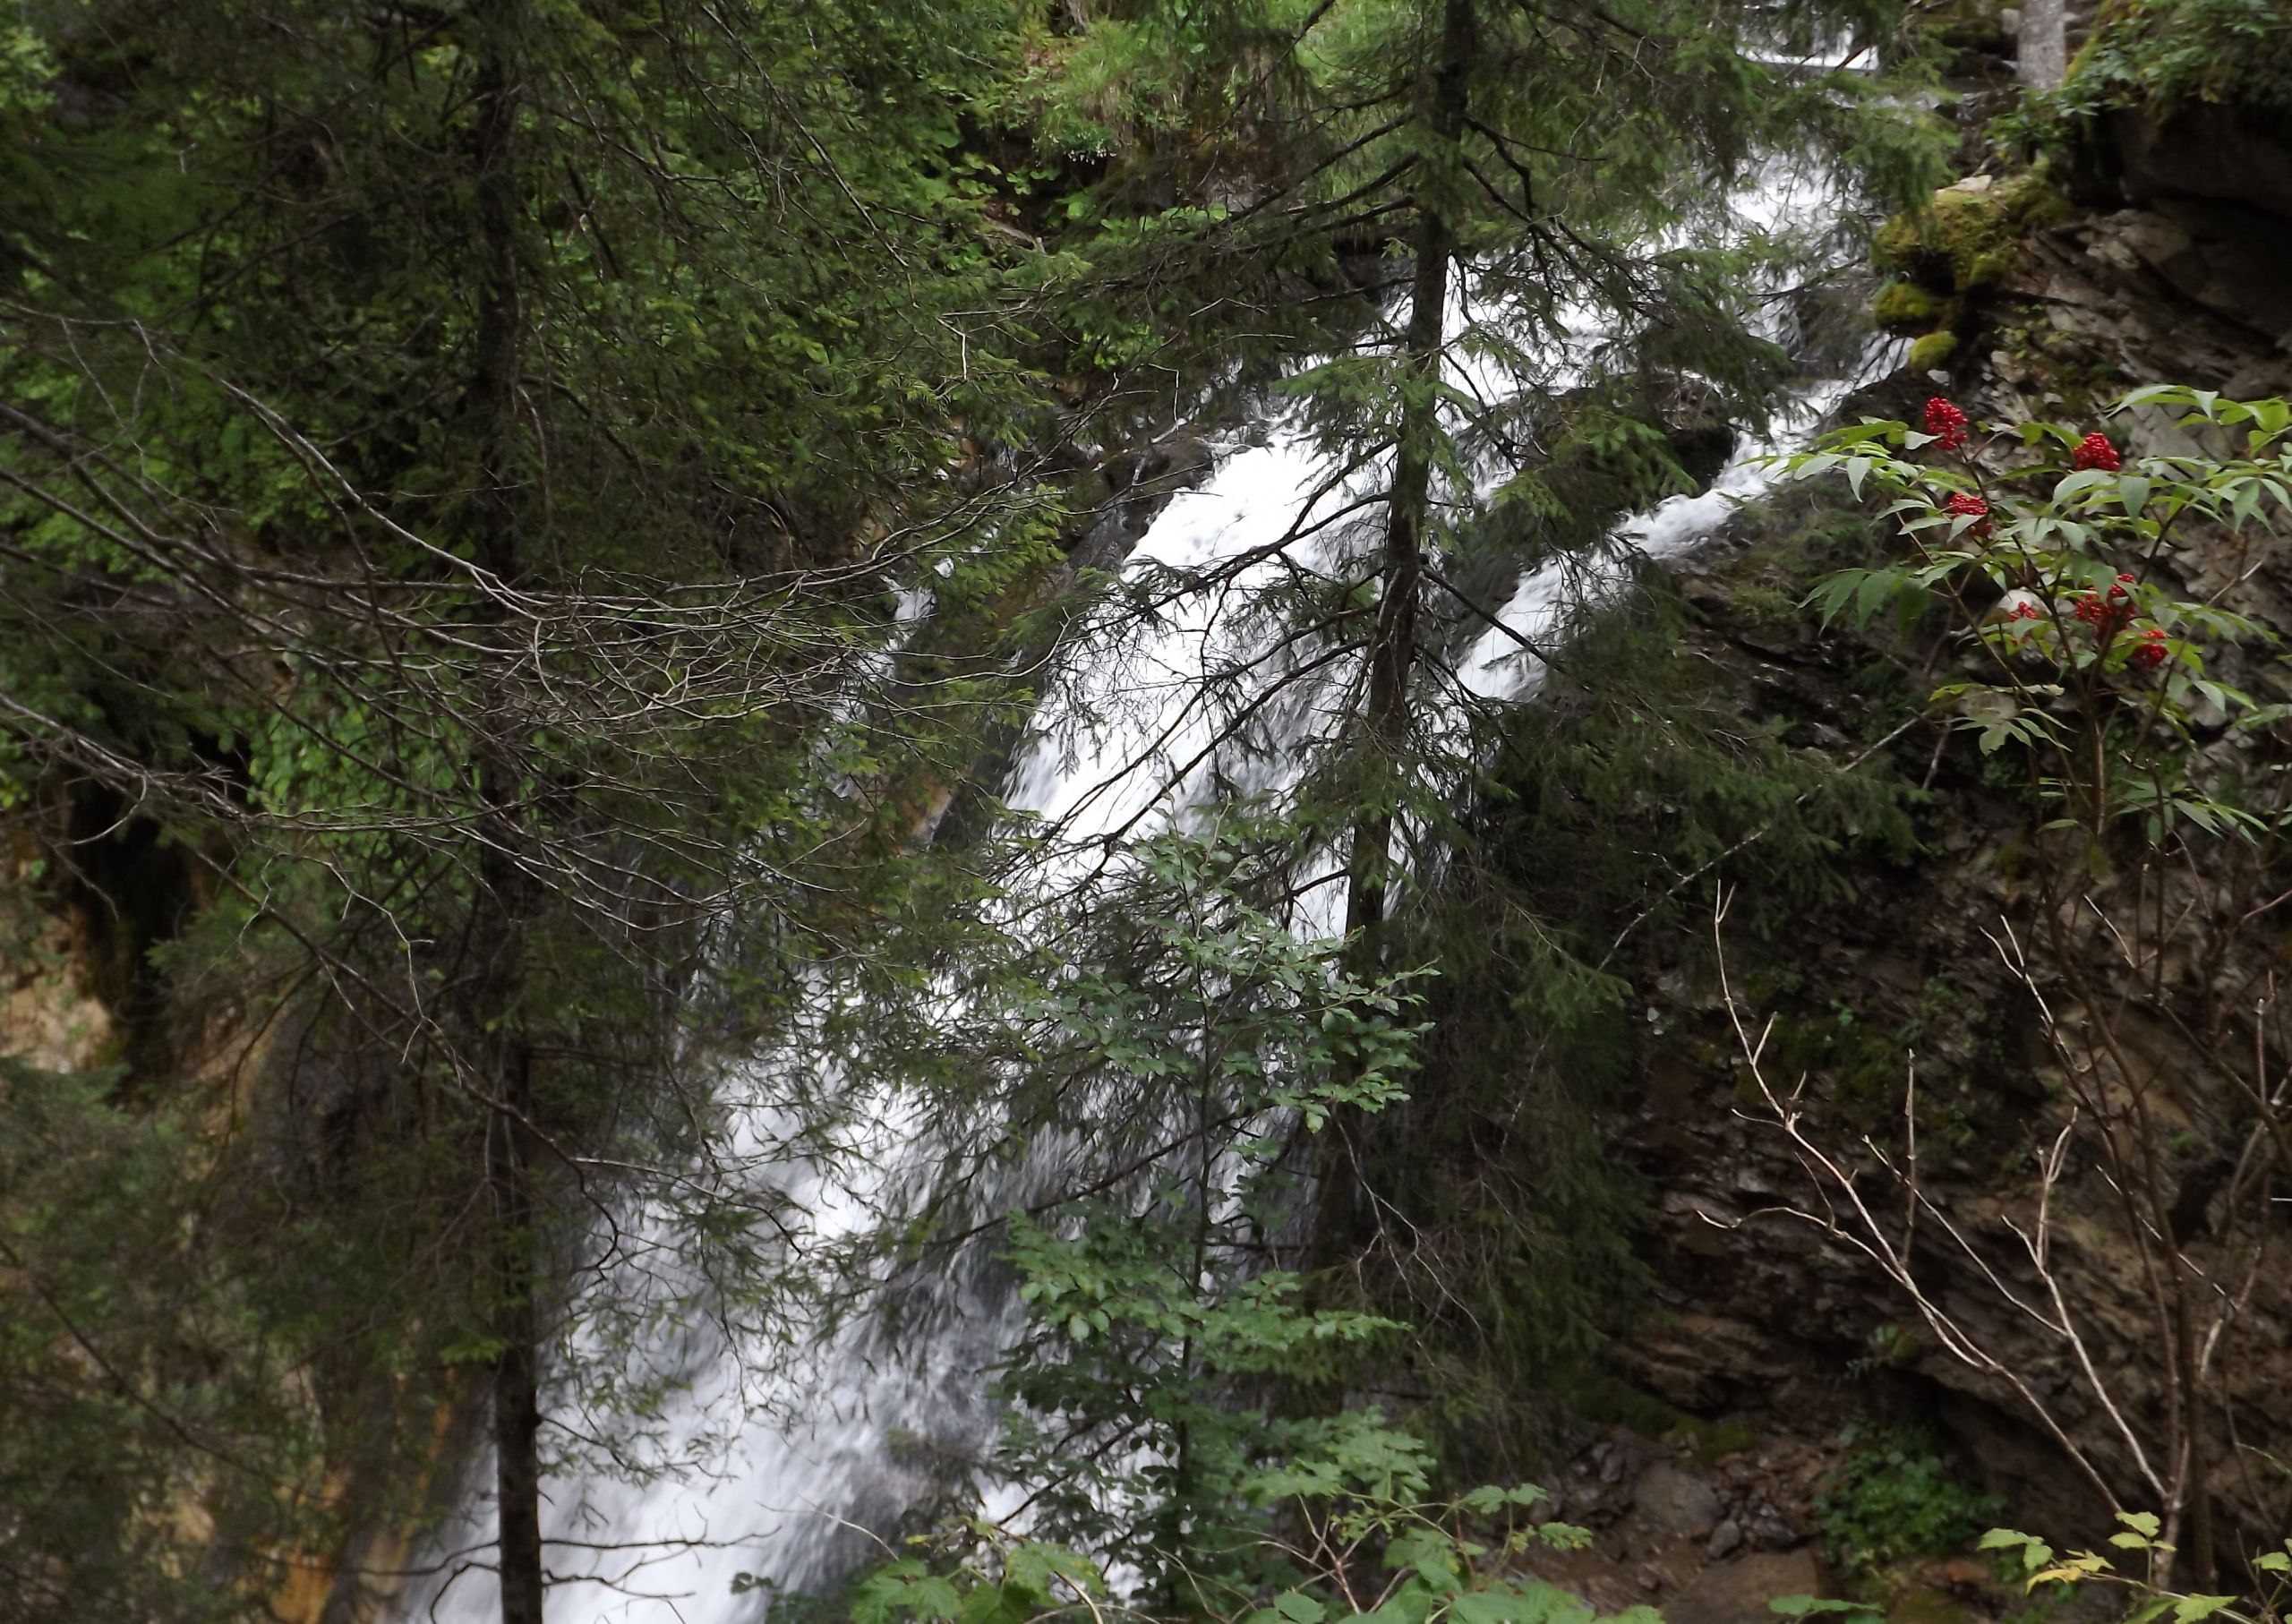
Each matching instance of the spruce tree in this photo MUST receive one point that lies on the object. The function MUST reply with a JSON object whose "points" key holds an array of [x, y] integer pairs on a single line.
{"points": [[1547, 184], [458, 461]]}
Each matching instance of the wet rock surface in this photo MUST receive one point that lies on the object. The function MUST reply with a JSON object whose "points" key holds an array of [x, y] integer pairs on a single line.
{"points": [[1765, 1318]]}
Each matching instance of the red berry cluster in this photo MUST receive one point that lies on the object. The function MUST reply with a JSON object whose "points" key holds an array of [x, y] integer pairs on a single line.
{"points": [[1945, 423], [2106, 613], [2094, 451], [2150, 652], [1963, 506], [2025, 611]]}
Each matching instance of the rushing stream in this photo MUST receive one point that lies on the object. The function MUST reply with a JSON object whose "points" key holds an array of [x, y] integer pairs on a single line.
{"points": [[782, 1488]]}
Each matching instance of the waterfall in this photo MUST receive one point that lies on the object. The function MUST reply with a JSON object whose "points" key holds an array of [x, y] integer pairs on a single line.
{"points": [[786, 1469]]}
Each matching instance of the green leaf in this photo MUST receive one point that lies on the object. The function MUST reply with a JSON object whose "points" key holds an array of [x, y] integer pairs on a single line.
{"points": [[896, 1587], [1298, 1608], [2035, 1552], [2188, 1610], [1490, 1607], [996, 1604], [1034, 1566], [934, 1598], [2147, 395]]}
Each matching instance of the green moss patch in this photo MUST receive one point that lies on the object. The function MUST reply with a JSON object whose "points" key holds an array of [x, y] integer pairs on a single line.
{"points": [[1905, 307], [1969, 237], [1933, 351]]}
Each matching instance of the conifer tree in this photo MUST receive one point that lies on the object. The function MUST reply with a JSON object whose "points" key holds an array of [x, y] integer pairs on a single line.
{"points": [[456, 462], [1547, 183]]}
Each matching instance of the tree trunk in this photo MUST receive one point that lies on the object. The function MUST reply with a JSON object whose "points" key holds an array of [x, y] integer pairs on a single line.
{"points": [[507, 1072], [2198, 1560], [493, 388], [516, 1369], [1392, 644], [2044, 50]]}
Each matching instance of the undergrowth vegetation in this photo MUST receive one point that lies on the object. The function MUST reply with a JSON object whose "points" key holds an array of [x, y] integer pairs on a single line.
{"points": [[1895, 1496]]}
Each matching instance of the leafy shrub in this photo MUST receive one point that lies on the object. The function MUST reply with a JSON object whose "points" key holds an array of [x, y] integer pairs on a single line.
{"points": [[2159, 55], [2157, 52], [1895, 1497], [2042, 541], [2147, 1597]]}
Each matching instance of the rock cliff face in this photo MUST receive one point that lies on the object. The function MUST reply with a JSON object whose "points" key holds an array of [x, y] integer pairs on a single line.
{"points": [[1772, 1321]]}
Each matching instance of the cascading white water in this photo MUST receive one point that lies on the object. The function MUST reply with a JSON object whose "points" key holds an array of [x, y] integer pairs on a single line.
{"points": [[781, 1482]]}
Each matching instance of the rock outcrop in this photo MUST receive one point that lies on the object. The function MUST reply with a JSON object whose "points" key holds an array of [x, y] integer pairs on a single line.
{"points": [[1770, 1319]]}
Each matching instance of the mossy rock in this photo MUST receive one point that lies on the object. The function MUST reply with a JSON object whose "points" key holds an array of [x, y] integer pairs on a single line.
{"points": [[1905, 307], [1933, 352], [1969, 237]]}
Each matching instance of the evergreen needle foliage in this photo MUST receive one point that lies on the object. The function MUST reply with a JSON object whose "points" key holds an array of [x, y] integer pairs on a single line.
{"points": [[517, 517]]}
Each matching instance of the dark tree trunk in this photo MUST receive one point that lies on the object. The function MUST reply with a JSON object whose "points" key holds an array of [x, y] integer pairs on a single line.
{"points": [[501, 903], [1392, 644], [516, 1384]]}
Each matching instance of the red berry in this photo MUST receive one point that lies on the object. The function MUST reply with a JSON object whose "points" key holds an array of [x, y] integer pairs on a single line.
{"points": [[2151, 652], [2094, 451], [1945, 423], [2025, 611], [1963, 506]]}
